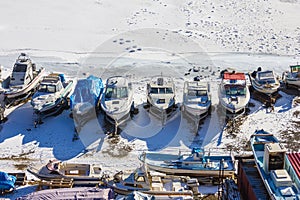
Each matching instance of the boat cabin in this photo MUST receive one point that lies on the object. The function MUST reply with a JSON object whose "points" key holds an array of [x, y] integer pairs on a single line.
{"points": [[116, 88], [234, 84], [50, 84], [266, 77], [160, 86], [274, 155], [295, 68], [22, 73]]}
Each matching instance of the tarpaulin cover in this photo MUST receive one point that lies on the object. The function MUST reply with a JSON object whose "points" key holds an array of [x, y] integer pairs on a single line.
{"points": [[87, 90], [7, 181]]}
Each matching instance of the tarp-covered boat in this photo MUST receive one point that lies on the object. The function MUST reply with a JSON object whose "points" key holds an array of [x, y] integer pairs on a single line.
{"points": [[85, 100], [7, 182], [278, 176], [195, 164]]}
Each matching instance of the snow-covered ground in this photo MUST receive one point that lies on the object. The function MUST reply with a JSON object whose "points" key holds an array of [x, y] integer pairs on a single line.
{"points": [[142, 39]]}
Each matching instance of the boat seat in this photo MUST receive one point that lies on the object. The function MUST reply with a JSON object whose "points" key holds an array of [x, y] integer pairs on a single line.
{"points": [[157, 186]]}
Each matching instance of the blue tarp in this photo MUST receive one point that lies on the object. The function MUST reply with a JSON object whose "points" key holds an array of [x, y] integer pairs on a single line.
{"points": [[7, 181], [87, 90]]}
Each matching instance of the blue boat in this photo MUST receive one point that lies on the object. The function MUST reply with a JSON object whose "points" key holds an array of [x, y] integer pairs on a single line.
{"points": [[195, 164], [7, 182], [270, 158], [85, 100]]}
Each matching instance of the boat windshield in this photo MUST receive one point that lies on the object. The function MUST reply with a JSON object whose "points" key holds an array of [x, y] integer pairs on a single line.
{"points": [[267, 81], [237, 91], [47, 88], [116, 92], [167, 90], [20, 68], [197, 93]]}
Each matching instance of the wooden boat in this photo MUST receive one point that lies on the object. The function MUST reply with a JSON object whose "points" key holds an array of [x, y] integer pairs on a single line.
{"points": [[196, 100], [233, 93], [82, 174], [85, 100], [292, 78], [51, 96], [71, 193], [270, 157], [156, 184], [264, 81], [117, 100], [195, 164], [23, 81], [161, 96]]}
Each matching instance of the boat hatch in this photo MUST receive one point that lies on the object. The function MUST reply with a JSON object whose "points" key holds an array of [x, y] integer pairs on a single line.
{"points": [[160, 81], [161, 101], [281, 178]]}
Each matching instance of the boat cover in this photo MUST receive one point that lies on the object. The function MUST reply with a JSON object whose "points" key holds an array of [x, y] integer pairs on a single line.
{"points": [[87, 90], [7, 181], [71, 193]]}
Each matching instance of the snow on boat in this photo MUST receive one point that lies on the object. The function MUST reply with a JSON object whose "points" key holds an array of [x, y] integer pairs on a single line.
{"points": [[23, 81], [196, 100], [7, 182], [277, 175], [51, 96], [233, 93], [293, 77], [85, 99], [161, 96], [117, 100], [156, 184], [264, 81], [82, 174], [195, 164], [71, 193]]}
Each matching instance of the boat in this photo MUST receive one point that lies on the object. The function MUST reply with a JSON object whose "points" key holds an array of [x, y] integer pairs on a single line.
{"points": [[264, 81], [82, 174], [196, 100], [23, 81], [161, 97], [292, 78], [270, 156], [234, 94], [71, 193], [194, 164], [7, 182], [117, 100], [51, 96], [85, 100], [151, 183]]}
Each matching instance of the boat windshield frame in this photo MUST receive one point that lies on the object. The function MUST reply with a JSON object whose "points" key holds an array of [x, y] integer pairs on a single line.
{"points": [[20, 67], [47, 88], [161, 90], [235, 90], [116, 92]]}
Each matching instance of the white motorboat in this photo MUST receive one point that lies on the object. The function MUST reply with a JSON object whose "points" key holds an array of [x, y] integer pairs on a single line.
{"points": [[292, 78], [265, 81], [196, 99], [23, 81], [51, 96], [161, 96], [234, 94], [117, 100], [82, 174]]}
